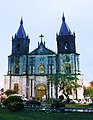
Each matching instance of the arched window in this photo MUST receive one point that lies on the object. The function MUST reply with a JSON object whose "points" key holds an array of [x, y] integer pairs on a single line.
{"points": [[16, 87], [18, 47], [17, 70], [41, 69], [68, 69]]}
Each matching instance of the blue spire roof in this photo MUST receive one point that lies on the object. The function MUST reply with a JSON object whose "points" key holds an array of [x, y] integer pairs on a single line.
{"points": [[21, 32], [64, 30]]}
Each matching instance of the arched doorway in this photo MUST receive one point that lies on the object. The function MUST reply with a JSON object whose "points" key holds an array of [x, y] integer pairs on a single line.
{"points": [[41, 91], [16, 87]]}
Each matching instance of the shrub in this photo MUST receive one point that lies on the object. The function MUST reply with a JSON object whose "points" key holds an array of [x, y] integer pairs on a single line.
{"points": [[9, 92], [13, 103], [18, 106]]}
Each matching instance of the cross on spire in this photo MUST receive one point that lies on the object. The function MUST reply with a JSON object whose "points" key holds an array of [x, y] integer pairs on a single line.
{"points": [[41, 36]]}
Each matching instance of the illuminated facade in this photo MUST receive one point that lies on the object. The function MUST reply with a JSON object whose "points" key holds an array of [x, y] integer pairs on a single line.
{"points": [[28, 71]]}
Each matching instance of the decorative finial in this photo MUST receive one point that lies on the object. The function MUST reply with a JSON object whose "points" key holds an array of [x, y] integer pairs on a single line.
{"points": [[12, 37], [74, 34], [15, 35], [38, 44], [69, 32], [63, 18], [44, 43], [21, 22]]}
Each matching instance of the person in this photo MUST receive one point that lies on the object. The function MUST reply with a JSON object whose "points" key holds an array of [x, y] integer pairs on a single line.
{"points": [[63, 104], [68, 100]]}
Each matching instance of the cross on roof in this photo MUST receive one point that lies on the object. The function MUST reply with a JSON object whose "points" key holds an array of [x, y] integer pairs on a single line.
{"points": [[41, 36]]}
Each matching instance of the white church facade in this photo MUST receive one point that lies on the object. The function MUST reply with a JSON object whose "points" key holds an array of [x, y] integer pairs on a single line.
{"points": [[28, 72]]}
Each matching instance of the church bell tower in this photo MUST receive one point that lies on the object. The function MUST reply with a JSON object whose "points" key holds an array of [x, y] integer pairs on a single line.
{"points": [[65, 39], [20, 43], [20, 49], [67, 57]]}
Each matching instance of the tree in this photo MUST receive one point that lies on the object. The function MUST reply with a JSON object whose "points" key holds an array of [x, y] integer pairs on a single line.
{"points": [[9, 92], [91, 84], [88, 91], [65, 82]]}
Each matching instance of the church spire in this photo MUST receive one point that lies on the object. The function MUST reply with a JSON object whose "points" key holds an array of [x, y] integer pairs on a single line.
{"points": [[21, 32], [64, 30], [63, 18], [21, 22]]}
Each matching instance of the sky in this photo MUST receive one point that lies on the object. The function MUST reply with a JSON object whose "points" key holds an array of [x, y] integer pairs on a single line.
{"points": [[45, 17]]}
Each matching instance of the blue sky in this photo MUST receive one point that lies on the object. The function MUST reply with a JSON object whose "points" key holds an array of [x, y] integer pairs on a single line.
{"points": [[45, 16]]}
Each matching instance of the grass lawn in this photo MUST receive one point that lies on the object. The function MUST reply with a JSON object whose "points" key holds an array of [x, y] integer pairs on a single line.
{"points": [[78, 106], [30, 115]]}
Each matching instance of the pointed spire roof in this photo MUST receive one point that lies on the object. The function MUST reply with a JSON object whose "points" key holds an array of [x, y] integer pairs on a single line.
{"points": [[64, 30], [21, 32]]}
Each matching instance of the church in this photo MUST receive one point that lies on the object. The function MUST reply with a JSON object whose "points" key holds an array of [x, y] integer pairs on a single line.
{"points": [[28, 72]]}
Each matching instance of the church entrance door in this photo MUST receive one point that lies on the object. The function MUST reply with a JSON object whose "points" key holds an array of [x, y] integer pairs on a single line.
{"points": [[41, 91]]}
